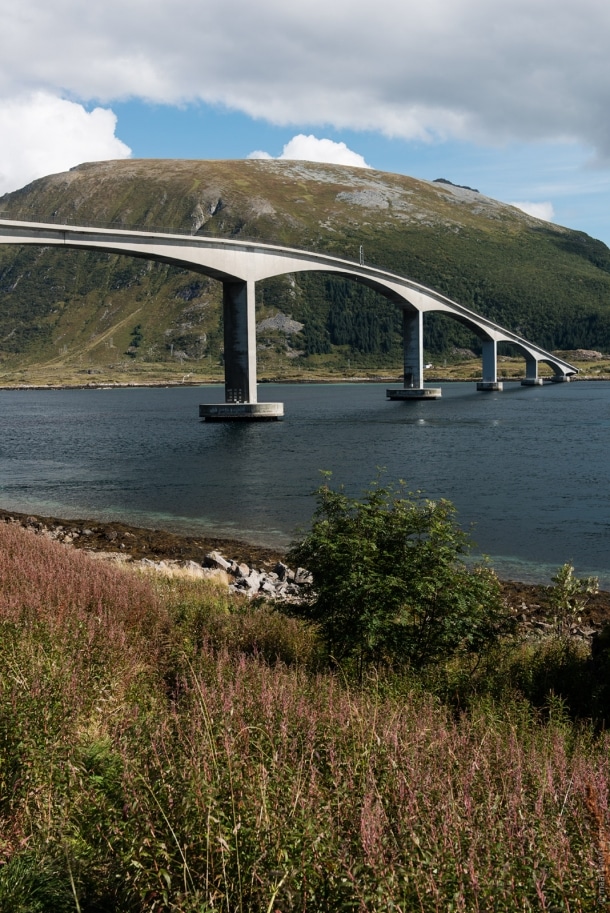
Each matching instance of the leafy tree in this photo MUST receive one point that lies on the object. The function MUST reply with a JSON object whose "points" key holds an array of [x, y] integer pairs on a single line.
{"points": [[389, 581]]}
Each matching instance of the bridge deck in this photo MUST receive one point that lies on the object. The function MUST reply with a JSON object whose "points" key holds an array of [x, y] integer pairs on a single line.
{"points": [[240, 264]]}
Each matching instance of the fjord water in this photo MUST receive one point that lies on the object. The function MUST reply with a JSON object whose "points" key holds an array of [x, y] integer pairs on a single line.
{"points": [[529, 468]]}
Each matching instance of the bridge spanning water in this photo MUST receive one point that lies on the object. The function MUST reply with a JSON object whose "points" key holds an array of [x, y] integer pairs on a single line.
{"points": [[239, 265]]}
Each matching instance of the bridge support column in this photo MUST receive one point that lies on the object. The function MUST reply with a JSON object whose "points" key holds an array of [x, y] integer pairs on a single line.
{"points": [[490, 367], [240, 342], [531, 378], [413, 360], [241, 400]]}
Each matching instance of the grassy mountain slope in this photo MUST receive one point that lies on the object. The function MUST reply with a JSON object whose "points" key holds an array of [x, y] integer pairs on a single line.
{"points": [[84, 311]]}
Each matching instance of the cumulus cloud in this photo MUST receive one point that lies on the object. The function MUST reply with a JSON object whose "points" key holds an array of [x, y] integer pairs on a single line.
{"points": [[543, 211], [42, 134], [311, 149], [468, 69]]}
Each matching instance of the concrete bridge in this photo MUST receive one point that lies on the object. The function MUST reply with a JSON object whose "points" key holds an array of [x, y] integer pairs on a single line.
{"points": [[239, 265]]}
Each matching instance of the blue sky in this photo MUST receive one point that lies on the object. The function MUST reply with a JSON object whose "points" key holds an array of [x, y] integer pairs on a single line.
{"points": [[511, 98]]}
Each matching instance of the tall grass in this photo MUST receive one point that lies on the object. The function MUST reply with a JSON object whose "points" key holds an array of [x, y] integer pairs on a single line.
{"points": [[162, 749]]}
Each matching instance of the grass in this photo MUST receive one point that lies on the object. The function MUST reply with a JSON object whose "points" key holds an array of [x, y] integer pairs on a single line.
{"points": [[319, 369], [163, 747]]}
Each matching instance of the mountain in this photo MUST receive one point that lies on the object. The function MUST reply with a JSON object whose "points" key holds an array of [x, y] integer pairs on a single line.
{"points": [[91, 312]]}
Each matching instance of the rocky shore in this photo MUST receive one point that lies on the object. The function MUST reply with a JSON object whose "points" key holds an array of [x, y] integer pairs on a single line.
{"points": [[255, 571], [248, 569]]}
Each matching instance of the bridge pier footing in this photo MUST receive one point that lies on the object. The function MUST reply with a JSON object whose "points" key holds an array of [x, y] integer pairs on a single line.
{"points": [[561, 379], [532, 382], [241, 412], [409, 393], [490, 385]]}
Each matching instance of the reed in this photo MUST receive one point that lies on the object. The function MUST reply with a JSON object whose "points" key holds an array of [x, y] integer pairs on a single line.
{"points": [[154, 756]]}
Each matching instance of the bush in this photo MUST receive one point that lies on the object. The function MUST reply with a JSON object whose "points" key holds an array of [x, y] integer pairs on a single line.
{"points": [[569, 596], [389, 580]]}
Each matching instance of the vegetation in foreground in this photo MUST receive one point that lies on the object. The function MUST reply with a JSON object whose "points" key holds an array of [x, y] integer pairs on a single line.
{"points": [[165, 748]]}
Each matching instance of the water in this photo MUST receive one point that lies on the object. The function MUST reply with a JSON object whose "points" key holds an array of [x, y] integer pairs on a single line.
{"points": [[528, 467]]}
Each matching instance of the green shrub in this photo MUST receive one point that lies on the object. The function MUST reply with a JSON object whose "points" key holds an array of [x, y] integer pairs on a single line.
{"points": [[569, 596], [389, 580]]}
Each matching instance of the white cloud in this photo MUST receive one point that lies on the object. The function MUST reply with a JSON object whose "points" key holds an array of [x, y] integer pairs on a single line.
{"points": [[468, 69], [42, 134], [311, 149], [543, 211]]}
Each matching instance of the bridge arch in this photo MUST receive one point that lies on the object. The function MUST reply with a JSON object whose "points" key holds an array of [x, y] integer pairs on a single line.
{"points": [[239, 265]]}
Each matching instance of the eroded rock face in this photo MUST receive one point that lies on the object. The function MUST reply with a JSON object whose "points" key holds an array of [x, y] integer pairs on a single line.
{"points": [[281, 323]]}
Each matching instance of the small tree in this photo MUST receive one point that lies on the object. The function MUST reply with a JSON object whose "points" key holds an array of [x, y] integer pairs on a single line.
{"points": [[389, 583], [569, 596]]}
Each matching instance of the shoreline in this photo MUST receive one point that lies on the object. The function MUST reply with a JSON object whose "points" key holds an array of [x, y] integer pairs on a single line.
{"points": [[135, 544], [138, 542], [378, 379], [304, 382]]}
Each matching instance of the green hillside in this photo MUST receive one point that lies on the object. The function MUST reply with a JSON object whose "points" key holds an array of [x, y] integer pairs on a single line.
{"points": [[74, 313]]}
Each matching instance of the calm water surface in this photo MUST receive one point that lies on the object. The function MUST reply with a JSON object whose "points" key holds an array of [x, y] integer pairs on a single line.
{"points": [[529, 467]]}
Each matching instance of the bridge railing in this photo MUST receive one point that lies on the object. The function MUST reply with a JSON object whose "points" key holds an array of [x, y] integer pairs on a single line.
{"points": [[53, 219]]}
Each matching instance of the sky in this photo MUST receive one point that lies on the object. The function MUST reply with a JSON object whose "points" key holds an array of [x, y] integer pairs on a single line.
{"points": [[510, 97]]}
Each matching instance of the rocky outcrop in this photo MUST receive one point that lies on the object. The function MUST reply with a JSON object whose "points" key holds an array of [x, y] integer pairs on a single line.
{"points": [[587, 355], [281, 582], [281, 323]]}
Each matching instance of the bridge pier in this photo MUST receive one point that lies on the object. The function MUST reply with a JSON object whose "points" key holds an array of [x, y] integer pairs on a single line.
{"points": [[413, 361], [531, 378], [490, 380], [241, 397], [240, 342]]}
